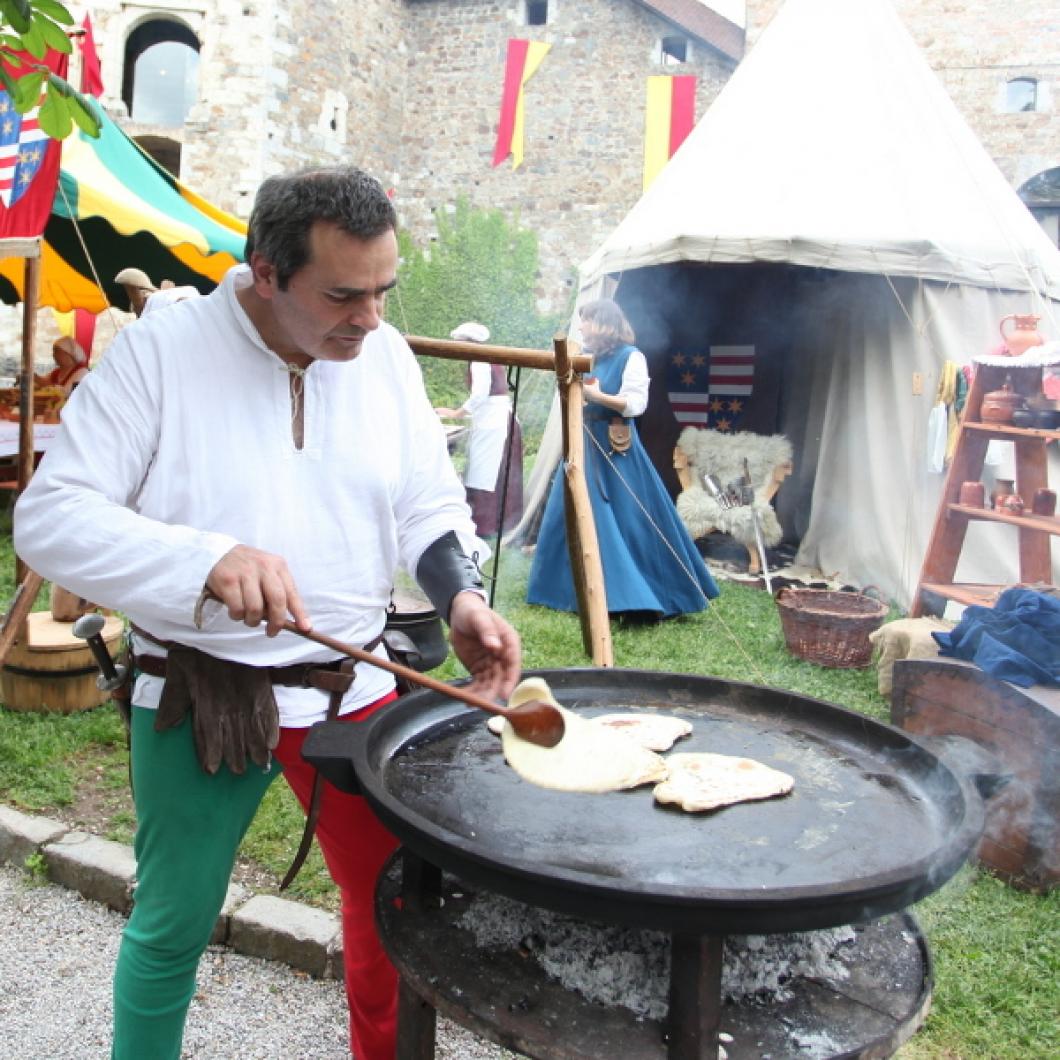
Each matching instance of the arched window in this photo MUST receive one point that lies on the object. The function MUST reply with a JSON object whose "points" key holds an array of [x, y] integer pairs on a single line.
{"points": [[161, 78], [1041, 194], [1021, 93], [164, 151]]}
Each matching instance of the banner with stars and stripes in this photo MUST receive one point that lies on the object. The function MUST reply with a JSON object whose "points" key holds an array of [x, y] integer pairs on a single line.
{"points": [[711, 389]]}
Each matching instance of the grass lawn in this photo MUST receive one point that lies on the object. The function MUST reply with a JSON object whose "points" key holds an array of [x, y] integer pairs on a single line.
{"points": [[996, 950]]}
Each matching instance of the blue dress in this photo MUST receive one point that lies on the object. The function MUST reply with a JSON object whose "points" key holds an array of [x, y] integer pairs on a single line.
{"points": [[647, 568]]}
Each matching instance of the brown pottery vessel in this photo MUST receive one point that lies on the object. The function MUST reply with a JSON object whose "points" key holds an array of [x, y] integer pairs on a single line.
{"points": [[999, 405]]}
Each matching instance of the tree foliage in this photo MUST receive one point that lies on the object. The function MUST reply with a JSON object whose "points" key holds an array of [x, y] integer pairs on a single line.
{"points": [[32, 27], [481, 267]]}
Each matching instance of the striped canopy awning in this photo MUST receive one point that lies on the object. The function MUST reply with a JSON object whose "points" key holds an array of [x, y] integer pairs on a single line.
{"points": [[115, 207]]}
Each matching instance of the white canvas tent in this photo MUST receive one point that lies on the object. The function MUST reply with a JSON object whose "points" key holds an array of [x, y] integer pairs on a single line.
{"points": [[834, 209]]}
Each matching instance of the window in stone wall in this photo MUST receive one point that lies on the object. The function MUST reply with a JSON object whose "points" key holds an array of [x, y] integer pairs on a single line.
{"points": [[161, 77], [163, 150], [535, 12], [1021, 94], [672, 51]]}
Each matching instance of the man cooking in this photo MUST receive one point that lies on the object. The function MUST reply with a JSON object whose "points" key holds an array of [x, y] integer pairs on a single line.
{"points": [[263, 454]]}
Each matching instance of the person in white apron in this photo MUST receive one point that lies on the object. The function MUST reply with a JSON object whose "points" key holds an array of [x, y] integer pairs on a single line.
{"points": [[490, 410]]}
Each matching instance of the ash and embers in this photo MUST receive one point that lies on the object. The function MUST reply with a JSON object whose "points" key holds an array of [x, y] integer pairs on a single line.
{"points": [[614, 965]]}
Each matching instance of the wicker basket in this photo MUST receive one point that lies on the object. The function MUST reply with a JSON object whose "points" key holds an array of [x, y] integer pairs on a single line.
{"points": [[830, 628]]}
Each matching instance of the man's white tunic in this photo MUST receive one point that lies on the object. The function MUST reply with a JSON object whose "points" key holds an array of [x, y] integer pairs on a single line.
{"points": [[179, 446]]}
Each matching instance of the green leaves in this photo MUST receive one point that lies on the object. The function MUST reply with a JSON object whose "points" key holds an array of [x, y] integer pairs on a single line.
{"points": [[34, 27]]}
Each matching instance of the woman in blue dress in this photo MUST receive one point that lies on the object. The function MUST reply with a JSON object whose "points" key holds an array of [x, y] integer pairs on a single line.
{"points": [[651, 565]]}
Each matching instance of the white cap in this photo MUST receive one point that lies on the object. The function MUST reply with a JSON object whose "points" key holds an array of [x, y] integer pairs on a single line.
{"points": [[470, 332], [135, 278]]}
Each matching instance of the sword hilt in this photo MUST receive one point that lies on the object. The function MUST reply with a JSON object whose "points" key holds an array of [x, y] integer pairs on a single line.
{"points": [[111, 674]]}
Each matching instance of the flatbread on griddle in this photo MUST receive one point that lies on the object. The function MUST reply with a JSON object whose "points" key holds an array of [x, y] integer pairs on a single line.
{"points": [[590, 758], [702, 781], [657, 732]]}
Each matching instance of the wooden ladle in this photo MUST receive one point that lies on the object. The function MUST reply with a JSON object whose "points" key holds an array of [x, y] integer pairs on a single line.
{"points": [[535, 721]]}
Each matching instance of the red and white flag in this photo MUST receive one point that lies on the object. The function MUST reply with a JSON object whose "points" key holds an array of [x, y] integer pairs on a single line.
{"points": [[29, 158]]}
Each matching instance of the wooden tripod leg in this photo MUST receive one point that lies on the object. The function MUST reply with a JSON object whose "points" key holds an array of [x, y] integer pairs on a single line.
{"points": [[14, 621]]}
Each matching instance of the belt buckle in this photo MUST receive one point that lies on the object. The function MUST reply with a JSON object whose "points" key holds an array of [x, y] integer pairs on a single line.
{"points": [[338, 680]]}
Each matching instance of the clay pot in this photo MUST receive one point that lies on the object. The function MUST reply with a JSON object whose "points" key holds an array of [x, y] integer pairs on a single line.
{"points": [[999, 405], [1043, 502], [1023, 335], [973, 494], [1013, 504], [1003, 487]]}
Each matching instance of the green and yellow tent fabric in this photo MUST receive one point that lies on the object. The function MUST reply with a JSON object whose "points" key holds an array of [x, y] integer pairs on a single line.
{"points": [[116, 207]]}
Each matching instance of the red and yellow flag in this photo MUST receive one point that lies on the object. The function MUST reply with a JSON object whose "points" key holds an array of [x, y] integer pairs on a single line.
{"points": [[78, 324], [524, 57], [669, 116]]}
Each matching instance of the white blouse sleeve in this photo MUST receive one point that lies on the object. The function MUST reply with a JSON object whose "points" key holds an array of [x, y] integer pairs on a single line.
{"points": [[635, 383], [481, 377]]}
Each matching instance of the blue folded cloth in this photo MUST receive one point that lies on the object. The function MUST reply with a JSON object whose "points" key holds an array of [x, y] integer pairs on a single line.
{"points": [[1017, 640]]}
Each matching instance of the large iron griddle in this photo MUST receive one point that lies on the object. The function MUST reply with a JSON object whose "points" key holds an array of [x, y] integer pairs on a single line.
{"points": [[875, 822]]}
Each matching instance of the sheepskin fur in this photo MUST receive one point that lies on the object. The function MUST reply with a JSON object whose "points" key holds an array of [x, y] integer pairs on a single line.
{"points": [[722, 455]]}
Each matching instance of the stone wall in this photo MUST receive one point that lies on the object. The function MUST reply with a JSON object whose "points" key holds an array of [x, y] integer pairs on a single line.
{"points": [[584, 120]]}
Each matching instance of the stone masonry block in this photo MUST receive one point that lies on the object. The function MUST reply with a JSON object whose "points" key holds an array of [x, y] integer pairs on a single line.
{"points": [[235, 896], [279, 930], [99, 868], [22, 835]]}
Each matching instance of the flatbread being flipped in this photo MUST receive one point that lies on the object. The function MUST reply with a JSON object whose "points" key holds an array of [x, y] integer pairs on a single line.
{"points": [[657, 732], [590, 758], [701, 781]]}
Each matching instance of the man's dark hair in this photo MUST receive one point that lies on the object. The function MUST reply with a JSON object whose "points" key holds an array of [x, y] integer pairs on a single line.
{"points": [[286, 207]]}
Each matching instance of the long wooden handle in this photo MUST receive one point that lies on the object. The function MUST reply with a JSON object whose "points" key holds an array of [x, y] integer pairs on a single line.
{"points": [[413, 676]]}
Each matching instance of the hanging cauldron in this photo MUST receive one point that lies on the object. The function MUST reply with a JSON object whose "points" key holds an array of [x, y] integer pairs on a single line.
{"points": [[414, 633]]}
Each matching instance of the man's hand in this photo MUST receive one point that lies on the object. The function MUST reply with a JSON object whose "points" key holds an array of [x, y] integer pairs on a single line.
{"points": [[256, 586], [487, 645]]}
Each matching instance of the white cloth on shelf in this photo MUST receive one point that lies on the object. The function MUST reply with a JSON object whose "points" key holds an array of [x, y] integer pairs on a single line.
{"points": [[937, 433]]}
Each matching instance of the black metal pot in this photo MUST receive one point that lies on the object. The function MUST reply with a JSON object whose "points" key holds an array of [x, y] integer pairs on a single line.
{"points": [[414, 634]]}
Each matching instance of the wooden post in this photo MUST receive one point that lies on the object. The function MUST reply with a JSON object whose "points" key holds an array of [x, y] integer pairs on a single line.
{"points": [[13, 625], [582, 543], [480, 351], [29, 340], [29, 250]]}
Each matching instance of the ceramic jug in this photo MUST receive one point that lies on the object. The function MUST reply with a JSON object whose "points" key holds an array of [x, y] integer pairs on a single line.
{"points": [[1023, 335]]}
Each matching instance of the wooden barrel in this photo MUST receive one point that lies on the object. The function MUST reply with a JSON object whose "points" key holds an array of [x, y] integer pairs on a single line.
{"points": [[53, 671]]}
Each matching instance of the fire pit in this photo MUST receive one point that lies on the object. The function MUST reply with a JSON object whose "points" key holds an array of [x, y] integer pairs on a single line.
{"points": [[876, 822]]}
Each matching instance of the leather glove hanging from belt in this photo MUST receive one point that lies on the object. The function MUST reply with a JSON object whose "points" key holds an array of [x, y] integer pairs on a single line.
{"points": [[233, 709]]}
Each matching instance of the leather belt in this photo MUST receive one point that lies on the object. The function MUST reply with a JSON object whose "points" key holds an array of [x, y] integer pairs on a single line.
{"points": [[297, 675]]}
